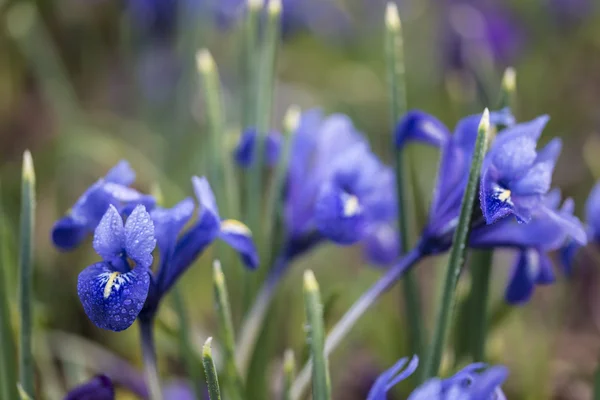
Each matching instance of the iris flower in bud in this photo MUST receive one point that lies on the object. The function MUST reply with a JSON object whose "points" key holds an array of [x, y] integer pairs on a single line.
{"points": [[244, 152], [113, 292], [98, 388], [81, 220], [123, 287], [467, 384]]}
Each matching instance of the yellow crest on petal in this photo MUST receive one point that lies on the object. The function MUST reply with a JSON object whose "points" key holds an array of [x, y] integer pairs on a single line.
{"points": [[235, 226]]}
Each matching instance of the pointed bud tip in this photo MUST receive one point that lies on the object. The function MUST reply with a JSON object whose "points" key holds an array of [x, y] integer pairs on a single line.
{"points": [[509, 80], [392, 18], [255, 4], [204, 61], [484, 124], [292, 119], [274, 7], [28, 171], [218, 273], [289, 361], [206, 349], [310, 282]]}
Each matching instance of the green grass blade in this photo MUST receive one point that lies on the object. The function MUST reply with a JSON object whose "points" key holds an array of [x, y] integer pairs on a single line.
{"points": [[26, 368], [236, 385], [321, 385], [397, 87], [210, 371], [457, 253], [289, 374], [8, 362]]}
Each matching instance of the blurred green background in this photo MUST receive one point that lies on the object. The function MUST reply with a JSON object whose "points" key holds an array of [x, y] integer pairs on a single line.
{"points": [[84, 83]]}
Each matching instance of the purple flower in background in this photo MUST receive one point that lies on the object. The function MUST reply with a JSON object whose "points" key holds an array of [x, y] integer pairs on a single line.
{"points": [[474, 29], [571, 11], [81, 220], [467, 384], [244, 152], [97, 388]]}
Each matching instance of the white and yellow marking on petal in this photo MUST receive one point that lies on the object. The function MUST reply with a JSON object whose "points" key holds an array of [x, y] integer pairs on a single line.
{"points": [[110, 283], [351, 206], [236, 227], [504, 194]]}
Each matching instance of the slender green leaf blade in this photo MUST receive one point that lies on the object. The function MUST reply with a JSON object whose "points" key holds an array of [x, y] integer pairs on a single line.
{"points": [[210, 371]]}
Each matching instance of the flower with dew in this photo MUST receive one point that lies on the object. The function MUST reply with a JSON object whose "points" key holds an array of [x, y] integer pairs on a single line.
{"points": [[514, 181], [123, 286], [470, 383], [81, 220]]}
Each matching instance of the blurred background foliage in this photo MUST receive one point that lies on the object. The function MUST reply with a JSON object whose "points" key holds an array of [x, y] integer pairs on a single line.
{"points": [[84, 83]]}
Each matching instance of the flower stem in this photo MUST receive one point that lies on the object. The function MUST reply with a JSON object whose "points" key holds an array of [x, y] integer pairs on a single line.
{"points": [[457, 254], [149, 355], [481, 267], [254, 320], [26, 373], [397, 85], [357, 310]]}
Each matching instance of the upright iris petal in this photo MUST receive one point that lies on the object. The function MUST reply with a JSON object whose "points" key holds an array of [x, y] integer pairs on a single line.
{"points": [[244, 152], [113, 292], [69, 231], [467, 384]]}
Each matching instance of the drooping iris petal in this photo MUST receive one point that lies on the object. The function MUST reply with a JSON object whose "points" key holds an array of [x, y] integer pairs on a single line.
{"points": [[139, 237], [488, 384], [381, 244], [421, 127], [432, 389], [239, 237], [592, 212], [521, 283], [97, 388], [109, 237], [122, 174], [112, 300], [339, 216], [68, 232]]}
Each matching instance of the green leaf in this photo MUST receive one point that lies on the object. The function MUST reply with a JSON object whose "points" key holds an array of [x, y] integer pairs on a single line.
{"points": [[457, 254], [26, 368], [8, 365], [289, 372], [321, 386], [210, 371]]}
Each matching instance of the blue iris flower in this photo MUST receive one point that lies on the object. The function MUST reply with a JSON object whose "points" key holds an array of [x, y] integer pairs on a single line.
{"points": [[123, 286], [467, 384], [97, 388], [515, 181], [336, 188], [81, 220]]}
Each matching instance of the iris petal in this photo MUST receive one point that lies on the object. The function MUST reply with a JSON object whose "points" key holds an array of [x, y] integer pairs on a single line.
{"points": [[421, 127], [68, 232], [206, 198], [110, 299], [109, 237], [339, 216], [139, 237], [239, 237], [381, 244], [97, 388], [520, 286], [122, 173], [168, 222]]}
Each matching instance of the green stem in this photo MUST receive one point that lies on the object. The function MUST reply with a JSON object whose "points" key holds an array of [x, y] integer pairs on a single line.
{"points": [[26, 373], [264, 104], [289, 372], [149, 355], [8, 367], [457, 253], [397, 85], [321, 385], [228, 337], [192, 365], [481, 267], [212, 380]]}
